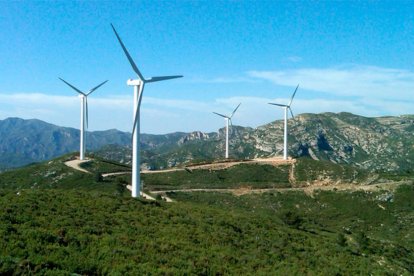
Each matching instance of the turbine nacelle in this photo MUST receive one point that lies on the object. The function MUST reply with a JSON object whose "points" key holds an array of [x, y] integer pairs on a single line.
{"points": [[132, 82]]}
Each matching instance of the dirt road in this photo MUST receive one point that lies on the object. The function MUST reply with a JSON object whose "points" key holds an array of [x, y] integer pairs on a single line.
{"points": [[74, 164], [115, 173], [275, 161], [308, 190]]}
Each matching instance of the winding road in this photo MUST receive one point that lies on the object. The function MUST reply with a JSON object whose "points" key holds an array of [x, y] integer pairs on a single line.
{"points": [[75, 164], [246, 190]]}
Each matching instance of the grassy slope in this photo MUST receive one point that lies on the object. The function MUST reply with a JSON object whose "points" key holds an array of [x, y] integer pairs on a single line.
{"points": [[308, 170], [100, 233], [257, 176], [94, 227]]}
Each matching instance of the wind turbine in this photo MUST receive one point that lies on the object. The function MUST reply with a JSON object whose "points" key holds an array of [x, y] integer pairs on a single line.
{"points": [[138, 85], [285, 134], [227, 119], [84, 114]]}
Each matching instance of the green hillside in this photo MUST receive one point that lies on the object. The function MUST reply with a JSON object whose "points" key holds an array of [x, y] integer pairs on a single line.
{"points": [[304, 172], [55, 174], [75, 222], [72, 231]]}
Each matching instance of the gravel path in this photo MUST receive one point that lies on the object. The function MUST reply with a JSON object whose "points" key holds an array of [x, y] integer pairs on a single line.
{"points": [[74, 164]]}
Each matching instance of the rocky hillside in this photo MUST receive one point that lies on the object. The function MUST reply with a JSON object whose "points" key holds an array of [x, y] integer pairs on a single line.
{"points": [[378, 144], [383, 144]]}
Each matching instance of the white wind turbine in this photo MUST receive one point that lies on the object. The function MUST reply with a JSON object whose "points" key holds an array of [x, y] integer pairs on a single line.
{"points": [[138, 85], [285, 134], [227, 119], [84, 115]]}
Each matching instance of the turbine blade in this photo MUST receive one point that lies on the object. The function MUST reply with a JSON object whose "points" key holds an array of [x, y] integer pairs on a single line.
{"points": [[86, 112], [291, 113], [234, 111], [135, 124], [131, 61], [282, 105], [154, 79], [73, 87], [224, 116], [294, 93], [93, 89]]}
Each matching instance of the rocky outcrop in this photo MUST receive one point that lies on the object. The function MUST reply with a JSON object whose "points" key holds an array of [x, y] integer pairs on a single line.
{"points": [[194, 136]]}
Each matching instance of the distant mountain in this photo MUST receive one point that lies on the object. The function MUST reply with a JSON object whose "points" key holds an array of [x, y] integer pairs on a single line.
{"points": [[384, 143], [26, 141]]}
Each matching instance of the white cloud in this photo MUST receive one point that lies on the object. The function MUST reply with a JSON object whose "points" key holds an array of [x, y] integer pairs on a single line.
{"points": [[169, 115], [347, 81], [364, 90], [294, 59]]}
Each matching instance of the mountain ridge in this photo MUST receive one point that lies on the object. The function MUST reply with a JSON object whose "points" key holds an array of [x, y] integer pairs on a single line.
{"points": [[375, 143]]}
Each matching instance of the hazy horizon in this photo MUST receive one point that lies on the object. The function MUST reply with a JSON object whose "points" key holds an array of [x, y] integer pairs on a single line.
{"points": [[346, 56]]}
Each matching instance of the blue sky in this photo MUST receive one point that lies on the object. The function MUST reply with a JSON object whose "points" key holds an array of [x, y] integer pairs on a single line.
{"points": [[347, 56]]}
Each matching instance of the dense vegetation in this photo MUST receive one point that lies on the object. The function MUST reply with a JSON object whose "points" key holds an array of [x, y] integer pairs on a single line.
{"points": [[73, 222], [206, 233]]}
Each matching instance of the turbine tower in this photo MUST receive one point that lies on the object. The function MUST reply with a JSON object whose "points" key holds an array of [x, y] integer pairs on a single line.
{"points": [[227, 119], [285, 134], [84, 115], [138, 85]]}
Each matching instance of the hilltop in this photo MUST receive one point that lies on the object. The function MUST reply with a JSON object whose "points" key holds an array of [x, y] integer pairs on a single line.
{"points": [[229, 176]]}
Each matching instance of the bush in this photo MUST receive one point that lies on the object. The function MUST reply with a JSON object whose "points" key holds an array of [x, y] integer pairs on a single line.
{"points": [[99, 177], [291, 218], [341, 240]]}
